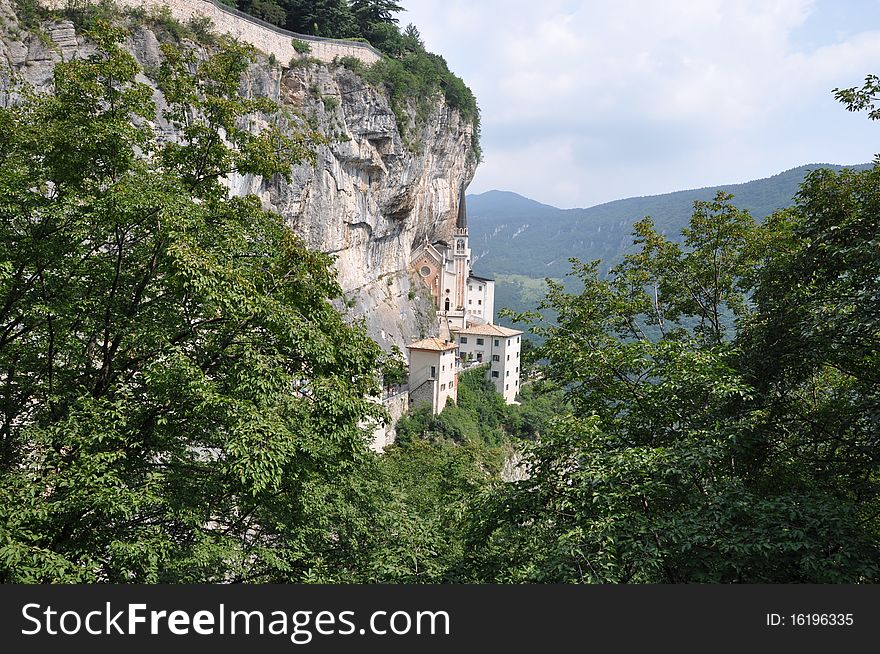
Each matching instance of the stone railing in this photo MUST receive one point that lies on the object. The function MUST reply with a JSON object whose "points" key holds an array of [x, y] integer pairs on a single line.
{"points": [[262, 35]]}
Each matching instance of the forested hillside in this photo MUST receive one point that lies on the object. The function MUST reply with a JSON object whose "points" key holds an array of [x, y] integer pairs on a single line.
{"points": [[521, 242]]}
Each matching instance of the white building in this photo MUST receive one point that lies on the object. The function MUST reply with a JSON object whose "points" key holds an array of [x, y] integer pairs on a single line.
{"points": [[465, 305], [500, 348], [460, 297], [433, 373], [480, 299]]}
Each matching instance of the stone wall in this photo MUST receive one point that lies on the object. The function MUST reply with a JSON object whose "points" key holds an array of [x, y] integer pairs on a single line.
{"points": [[385, 434], [263, 36], [423, 394]]}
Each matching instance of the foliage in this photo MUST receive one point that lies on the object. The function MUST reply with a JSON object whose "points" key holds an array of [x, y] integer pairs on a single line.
{"points": [[267, 10], [429, 485], [692, 454], [161, 18], [331, 104], [303, 62], [438, 465], [328, 18], [301, 46], [412, 80], [478, 416], [202, 28], [29, 13], [539, 403], [861, 99], [411, 76], [395, 371], [180, 399]]}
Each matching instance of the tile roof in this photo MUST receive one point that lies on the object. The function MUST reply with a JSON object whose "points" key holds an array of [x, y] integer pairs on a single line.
{"points": [[432, 343], [489, 330]]}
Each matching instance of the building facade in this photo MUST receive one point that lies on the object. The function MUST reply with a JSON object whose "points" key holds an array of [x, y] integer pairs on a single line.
{"points": [[500, 348], [465, 305], [480, 302], [460, 297], [433, 373]]}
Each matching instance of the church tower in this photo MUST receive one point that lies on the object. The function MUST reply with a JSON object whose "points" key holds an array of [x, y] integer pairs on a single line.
{"points": [[461, 254]]}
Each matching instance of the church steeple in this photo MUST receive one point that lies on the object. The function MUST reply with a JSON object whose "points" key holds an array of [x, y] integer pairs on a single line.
{"points": [[461, 254], [461, 223]]}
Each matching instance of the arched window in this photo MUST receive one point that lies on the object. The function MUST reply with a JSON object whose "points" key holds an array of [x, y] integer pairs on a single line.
{"points": [[447, 305], [460, 245]]}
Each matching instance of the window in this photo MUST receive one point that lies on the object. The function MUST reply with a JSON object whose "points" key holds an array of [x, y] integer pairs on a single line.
{"points": [[470, 287], [495, 357], [470, 301], [517, 368], [496, 342], [433, 371], [463, 339], [479, 357], [507, 374], [516, 382], [425, 271], [495, 374], [479, 341], [442, 368], [507, 387], [442, 387], [517, 339], [508, 357], [479, 302], [479, 288]]}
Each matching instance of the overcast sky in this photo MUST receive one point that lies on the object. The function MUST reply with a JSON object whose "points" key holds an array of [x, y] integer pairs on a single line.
{"points": [[588, 101]]}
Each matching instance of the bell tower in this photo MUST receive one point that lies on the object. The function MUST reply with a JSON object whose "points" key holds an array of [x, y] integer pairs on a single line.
{"points": [[461, 253]]}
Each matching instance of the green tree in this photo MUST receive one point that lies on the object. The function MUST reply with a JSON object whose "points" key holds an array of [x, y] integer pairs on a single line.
{"points": [[396, 371], [861, 99], [180, 401], [412, 39], [268, 10], [329, 18], [427, 488], [813, 354], [377, 23], [683, 460], [370, 12]]}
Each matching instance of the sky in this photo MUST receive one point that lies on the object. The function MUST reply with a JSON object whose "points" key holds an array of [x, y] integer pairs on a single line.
{"points": [[587, 101]]}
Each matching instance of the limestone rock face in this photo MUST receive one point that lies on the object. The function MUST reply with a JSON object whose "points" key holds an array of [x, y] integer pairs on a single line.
{"points": [[370, 199], [372, 195]]}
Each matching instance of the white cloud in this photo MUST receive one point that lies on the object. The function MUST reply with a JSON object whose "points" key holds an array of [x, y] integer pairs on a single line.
{"points": [[724, 79]]}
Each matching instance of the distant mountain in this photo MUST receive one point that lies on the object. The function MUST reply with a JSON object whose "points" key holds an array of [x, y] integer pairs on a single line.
{"points": [[507, 203], [520, 241]]}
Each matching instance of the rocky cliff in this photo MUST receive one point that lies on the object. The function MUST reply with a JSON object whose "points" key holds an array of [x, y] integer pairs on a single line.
{"points": [[369, 198]]}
